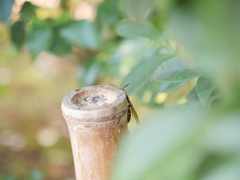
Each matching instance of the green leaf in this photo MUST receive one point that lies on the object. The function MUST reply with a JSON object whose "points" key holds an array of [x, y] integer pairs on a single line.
{"points": [[108, 13], [228, 170], [209, 30], [164, 147], [39, 23], [224, 140], [39, 40], [63, 19], [225, 134], [18, 33], [5, 10], [28, 10], [175, 70], [204, 88], [59, 45], [168, 86], [89, 73], [142, 73], [192, 95], [81, 33], [136, 30]]}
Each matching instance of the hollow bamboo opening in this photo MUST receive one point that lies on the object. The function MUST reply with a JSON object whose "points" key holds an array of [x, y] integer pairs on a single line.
{"points": [[96, 117]]}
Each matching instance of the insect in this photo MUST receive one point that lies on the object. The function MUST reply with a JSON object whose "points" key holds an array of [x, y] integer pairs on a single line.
{"points": [[130, 106]]}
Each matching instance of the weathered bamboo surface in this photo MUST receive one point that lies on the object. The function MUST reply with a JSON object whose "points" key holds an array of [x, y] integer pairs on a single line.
{"points": [[96, 117]]}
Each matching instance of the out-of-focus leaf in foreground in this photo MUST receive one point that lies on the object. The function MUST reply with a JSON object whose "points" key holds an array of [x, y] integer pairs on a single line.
{"points": [[225, 139], [182, 144], [158, 148], [5, 9], [142, 73], [175, 70], [229, 171], [134, 29], [225, 134], [81, 33]]}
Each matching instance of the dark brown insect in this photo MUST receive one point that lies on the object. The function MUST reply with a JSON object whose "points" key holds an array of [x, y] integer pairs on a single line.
{"points": [[130, 106]]}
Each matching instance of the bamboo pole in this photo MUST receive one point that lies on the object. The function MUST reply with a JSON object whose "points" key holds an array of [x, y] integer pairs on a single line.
{"points": [[96, 117]]}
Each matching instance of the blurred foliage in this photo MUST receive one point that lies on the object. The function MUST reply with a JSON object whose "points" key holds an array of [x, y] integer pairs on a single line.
{"points": [[180, 57]]}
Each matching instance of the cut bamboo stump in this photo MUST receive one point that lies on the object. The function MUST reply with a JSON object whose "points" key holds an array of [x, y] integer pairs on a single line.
{"points": [[96, 117]]}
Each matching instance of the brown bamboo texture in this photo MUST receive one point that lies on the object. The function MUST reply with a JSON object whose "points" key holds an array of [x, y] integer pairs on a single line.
{"points": [[96, 117]]}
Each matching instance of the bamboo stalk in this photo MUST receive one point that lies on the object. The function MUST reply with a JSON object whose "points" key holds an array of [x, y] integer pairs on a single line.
{"points": [[96, 117]]}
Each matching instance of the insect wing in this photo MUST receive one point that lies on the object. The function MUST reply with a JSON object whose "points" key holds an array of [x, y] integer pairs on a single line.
{"points": [[134, 112], [131, 106]]}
